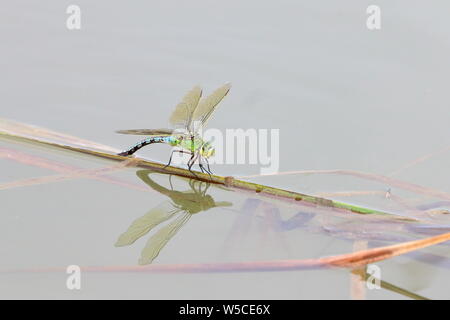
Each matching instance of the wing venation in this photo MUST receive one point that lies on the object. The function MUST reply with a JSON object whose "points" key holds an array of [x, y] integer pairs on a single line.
{"points": [[207, 105]]}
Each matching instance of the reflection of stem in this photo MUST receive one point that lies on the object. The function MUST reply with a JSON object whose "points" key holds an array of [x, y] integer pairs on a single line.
{"points": [[67, 172], [419, 160], [74, 174], [369, 176], [393, 288], [351, 193], [349, 260]]}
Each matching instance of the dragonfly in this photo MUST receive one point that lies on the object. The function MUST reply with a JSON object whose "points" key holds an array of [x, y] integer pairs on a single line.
{"points": [[191, 114]]}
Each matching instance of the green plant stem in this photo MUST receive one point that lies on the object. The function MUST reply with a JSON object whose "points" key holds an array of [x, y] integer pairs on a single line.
{"points": [[225, 181]]}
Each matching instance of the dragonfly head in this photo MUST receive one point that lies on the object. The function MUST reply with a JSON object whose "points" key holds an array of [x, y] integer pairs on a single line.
{"points": [[207, 150]]}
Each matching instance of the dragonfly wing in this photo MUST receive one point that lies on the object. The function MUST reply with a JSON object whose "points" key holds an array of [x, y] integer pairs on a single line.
{"points": [[160, 238], [182, 115], [144, 224], [148, 132], [207, 105]]}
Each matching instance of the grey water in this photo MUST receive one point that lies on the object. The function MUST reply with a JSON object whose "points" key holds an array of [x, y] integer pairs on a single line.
{"points": [[342, 97]]}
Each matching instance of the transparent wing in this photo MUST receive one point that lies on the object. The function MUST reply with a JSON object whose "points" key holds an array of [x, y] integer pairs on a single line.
{"points": [[182, 115], [207, 105], [160, 238], [148, 132], [147, 222]]}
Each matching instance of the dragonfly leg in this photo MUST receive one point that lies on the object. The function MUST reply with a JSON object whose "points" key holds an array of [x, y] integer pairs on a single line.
{"points": [[206, 188], [192, 184], [199, 188], [200, 164], [207, 165], [171, 155], [191, 163], [170, 181], [203, 169], [170, 159], [195, 175], [203, 192]]}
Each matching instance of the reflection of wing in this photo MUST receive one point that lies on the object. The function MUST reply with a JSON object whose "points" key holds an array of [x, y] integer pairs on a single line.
{"points": [[144, 224], [207, 105], [182, 115], [148, 132], [160, 239]]}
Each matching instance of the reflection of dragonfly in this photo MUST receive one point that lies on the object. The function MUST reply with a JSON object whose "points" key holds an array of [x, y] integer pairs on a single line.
{"points": [[179, 210], [189, 116]]}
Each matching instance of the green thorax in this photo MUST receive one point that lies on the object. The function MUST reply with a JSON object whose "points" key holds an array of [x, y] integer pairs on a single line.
{"points": [[194, 145]]}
